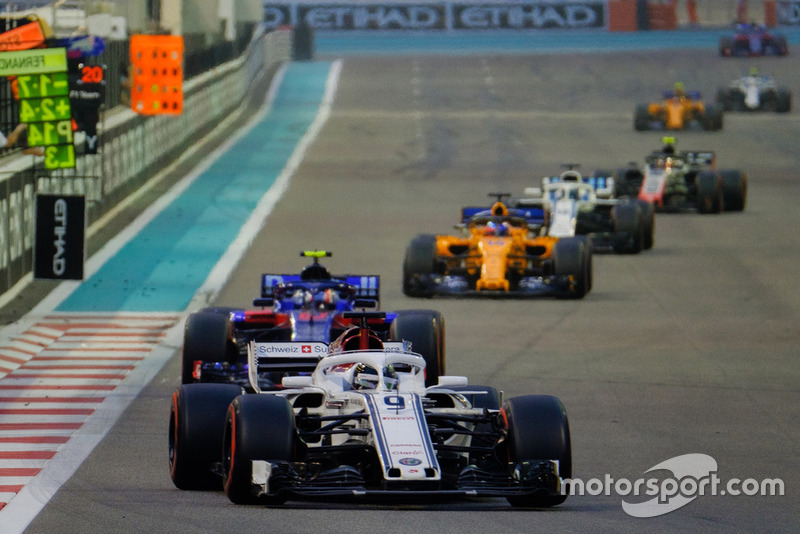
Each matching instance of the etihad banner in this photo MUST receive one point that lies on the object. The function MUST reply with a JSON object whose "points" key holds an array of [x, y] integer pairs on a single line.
{"points": [[59, 249], [565, 14]]}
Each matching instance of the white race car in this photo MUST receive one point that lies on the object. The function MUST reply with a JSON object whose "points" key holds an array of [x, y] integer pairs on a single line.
{"points": [[364, 425], [755, 93], [576, 205]]}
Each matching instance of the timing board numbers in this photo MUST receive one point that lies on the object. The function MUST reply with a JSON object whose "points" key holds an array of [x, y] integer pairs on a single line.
{"points": [[42, 85], [50, 133], [45, 106], [59, 157], [55, 108]]}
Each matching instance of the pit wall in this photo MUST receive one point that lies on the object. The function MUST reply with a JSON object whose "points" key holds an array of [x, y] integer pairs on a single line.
{"points": [[135, 148]]}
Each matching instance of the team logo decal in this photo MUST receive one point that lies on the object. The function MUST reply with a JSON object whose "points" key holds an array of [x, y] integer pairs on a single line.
{"points": [[409, 461]]}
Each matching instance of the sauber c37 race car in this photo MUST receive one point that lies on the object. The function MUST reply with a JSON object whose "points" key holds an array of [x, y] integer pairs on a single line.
{"points": [[753, 40], [577, 205], [675, 181], [678, 110], [298, 307], [365, 426], [499, 253], [755, 93]]}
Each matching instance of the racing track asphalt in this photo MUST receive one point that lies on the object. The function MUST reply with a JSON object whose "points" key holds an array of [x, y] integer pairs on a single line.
{"points": [[690, 347]]}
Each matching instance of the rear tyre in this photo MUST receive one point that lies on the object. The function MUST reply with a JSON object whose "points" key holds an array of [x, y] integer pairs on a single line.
{"points": [[627, 219], [648, 224], [419, 264], [783, 102], [726, 98], [628, 182], [725, 46], [641, 118], [713, 118], [425, 330], [538, 429], [205, 338], [572, 256], [196, 426], [257, 427], [709, 192], [734, 190]]}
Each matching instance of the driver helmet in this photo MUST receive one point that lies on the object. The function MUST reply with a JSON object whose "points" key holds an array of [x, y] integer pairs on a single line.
{"points": [[365, 377], [502, 229], [491, 228], [326, 299], [302, 298], [678, 89]]}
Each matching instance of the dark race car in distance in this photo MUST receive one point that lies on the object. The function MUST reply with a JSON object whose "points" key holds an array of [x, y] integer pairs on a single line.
{"points": [[299, 307], [676, 181], [751, 40]]}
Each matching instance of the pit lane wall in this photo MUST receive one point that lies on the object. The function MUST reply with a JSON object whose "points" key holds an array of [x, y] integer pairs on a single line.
{"points": [[134, 149], [611, 15]]}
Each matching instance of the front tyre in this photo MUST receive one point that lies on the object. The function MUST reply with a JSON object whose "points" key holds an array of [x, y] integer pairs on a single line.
{"points": [[257, 427], [572, 256], [538, 429], [196, 426], [419, 265]]}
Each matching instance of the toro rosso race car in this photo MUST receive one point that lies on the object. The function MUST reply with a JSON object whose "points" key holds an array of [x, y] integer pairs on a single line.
{"points": [[753, 40], [298, 307], [675, 181], [364, 425], [498, 253], [678, 110], [755, 93], [577, 205]]}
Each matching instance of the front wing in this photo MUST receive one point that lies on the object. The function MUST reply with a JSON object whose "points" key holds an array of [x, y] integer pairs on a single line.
{"points": [[459, 286], [283, 480]]}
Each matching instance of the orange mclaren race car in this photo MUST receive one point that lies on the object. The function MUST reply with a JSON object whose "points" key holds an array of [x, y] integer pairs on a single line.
{"points": [[498, 253], [678, 110]]}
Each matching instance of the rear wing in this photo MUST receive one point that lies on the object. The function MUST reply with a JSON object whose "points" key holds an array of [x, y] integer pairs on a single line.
{"points": [[603, 187], [366, 287], [694, 95], [700, 158], [533, 215], [694, 158], [293, 357]]}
